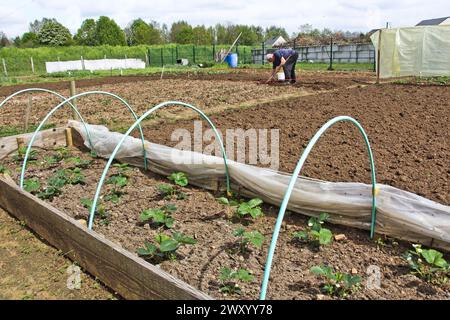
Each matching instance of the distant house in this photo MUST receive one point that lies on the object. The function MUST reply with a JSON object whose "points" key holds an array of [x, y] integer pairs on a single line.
{"points": [[275, 41], [435, 22]]}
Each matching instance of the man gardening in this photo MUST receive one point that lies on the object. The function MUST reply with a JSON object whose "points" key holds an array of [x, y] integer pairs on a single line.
{"points": [[286, 59]]}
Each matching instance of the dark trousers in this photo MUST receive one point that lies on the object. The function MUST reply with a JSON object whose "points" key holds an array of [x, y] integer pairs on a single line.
{"points": [[289, 67]]}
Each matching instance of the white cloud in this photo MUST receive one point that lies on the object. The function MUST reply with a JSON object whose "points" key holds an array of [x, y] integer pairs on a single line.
{"points": [[334, 14]]}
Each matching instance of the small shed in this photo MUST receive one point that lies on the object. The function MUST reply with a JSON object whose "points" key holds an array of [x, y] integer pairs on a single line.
{"points": [[275, 41]]}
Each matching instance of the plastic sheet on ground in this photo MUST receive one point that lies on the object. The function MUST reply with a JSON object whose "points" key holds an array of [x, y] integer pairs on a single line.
{"points": [[400, 214]]}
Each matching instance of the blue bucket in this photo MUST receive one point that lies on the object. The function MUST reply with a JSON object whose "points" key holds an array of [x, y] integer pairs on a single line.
{"points": [[232, 60]]}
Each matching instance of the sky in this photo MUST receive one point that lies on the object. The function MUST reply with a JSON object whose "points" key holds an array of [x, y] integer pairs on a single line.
{"points": [[352, 15]]}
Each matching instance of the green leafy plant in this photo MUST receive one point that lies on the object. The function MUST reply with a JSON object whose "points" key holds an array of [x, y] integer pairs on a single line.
{"points": [[62, 153], [31, 185], [252, 237], [21, 151], [3, 170], [166, 246], [179, 178], [428, 264], [315, 232], [100, 210], [168, 191], [119, 180], [230, 280], [59, 179], [78, 162], [161, 216], [337, 283], [250, 208]]}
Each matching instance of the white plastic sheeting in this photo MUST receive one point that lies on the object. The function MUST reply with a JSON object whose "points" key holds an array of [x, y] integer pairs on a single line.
{"points": [[400, 214], [415, 51], [92, 65]]}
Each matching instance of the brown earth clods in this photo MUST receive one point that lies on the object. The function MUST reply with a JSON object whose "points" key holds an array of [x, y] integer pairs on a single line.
{"points": [[202, 217]]}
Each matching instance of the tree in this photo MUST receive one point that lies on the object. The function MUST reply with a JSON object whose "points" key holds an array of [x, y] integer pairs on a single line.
{"points": [[181, 32], [107, 32], [274, 31], [139, 32], [28, 40], [86, 34], [201, 36], [37, 25], [165, 33], [53, 33], [4, 41]]}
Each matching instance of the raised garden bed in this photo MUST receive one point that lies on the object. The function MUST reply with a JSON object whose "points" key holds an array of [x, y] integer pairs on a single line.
{"points": [[110, 251]]}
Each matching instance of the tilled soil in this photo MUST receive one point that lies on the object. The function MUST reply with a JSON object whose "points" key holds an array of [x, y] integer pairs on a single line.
{"points": [[408, 128], [203, 218]]}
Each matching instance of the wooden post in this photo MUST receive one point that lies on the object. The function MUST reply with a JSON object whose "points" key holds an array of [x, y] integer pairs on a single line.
{"points": [[20, 143], [27, 113], [82, 63], [32, 64], [146, 60], [379, 56], [69, 139], [73, 91], [5, 71]]}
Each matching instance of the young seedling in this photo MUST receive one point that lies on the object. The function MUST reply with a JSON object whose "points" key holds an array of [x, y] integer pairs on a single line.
{"points": [[179, 178], [59, 179], [337, 283], [230, 280], [314, 232], [168, 191], [428, 264], [3, 170], [31, 185], [100, 211], [253, 237], [78, 162], [161, 216], [119, 181], [21, 151], [62, 153], [166, 246], [250, 208]]}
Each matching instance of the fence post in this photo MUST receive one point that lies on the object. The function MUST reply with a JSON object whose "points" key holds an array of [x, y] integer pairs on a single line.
{"points": [[149, 57], [193, 53], [262, 54], [244, 56], [330, 68], [4, 67], [32, 64], [162, 57], [73, 91], [146, 60], [214, 52], [171, 52], [176, 53], [82, 63]]}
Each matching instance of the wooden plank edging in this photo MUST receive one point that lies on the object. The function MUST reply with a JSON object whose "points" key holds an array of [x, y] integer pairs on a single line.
{"points": [[122, 271]]}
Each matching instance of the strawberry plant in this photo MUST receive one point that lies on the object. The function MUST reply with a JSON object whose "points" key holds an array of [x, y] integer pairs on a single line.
{"points": [[161, 216], [59, 179], [21, 151], [253, 237], [165, 247], [314, 231], [78, 162], [31, 185], [428, 264], [100, 211], [337, 283], [250, 208], [179, 178], [119, 180], [169, 192], [230, 280], [62, 153], [3, 170]]}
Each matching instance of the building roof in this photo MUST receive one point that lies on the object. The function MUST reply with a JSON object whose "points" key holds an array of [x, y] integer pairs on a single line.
{"points": [[432, 22], [270, 42]]}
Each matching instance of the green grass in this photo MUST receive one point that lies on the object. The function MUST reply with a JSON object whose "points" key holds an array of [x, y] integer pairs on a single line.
{"points": [[442, 81]]}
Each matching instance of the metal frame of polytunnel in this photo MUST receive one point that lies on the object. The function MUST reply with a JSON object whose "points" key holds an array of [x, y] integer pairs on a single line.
{"points": [[68, 100], [291, 185], [143, 117]]}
